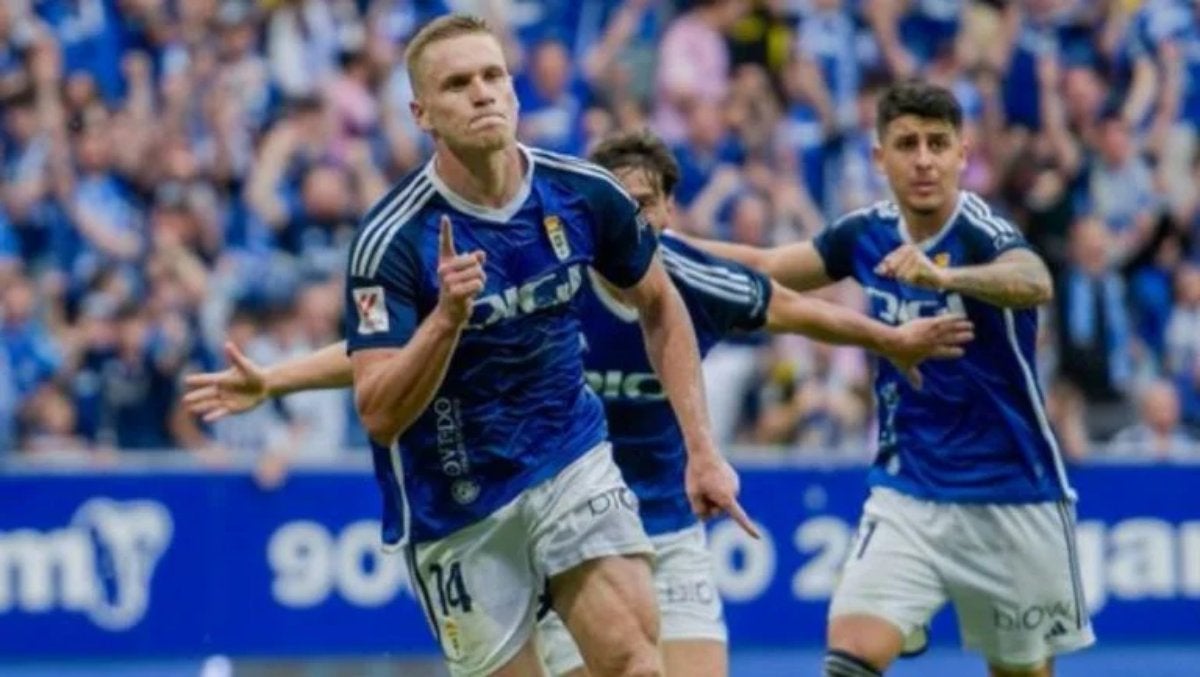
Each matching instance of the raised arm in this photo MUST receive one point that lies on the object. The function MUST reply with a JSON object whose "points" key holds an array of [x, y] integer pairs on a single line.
{"points": [[393, 386]]}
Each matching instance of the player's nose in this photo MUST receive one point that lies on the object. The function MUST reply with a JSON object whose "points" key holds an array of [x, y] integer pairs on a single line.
{"points": [[481, 93]]}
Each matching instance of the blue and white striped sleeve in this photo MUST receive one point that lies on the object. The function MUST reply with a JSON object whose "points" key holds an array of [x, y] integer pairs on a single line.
{"points": [[384, 272], [729, 295], [989, 235]]}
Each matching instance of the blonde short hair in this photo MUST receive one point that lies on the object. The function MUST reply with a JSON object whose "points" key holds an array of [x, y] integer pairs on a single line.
{"points": [[441, 28]]}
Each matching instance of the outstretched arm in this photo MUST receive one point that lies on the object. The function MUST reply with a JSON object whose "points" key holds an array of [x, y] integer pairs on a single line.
{"points": [[671, 346], [912, 342], [796, 266], [906, 346], [245, 385]]}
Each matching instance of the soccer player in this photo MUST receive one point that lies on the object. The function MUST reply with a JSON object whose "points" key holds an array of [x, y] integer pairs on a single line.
{"points": [[970, 501], [464, 342], [721, 297]]}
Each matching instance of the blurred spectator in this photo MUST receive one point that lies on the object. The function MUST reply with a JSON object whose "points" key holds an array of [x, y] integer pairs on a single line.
{"points": [[1121, 190], [912, 34], [90, 35], [815, 408], [1094, 326], [552, 100], [1157, 436], [177, 172], [51, 428], [34, 355], [693, 64], [302, 44], [1182, 356], [707, 147]]}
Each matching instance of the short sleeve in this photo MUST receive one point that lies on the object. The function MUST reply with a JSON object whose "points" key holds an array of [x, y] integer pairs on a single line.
{"points": [[835, 245], [625, 242], [730, 295], [381, 303], [987, 235]]}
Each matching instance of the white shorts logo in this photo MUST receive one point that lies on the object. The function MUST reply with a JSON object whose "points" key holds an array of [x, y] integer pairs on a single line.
{"points": [[372, 310]]}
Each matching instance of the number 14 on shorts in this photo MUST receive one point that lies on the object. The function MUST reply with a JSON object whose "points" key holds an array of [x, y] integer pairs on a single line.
{"points": [[451, 590]]}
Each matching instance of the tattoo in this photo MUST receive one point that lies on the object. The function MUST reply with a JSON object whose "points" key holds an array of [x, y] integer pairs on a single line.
{"points": [[1017, 279]]}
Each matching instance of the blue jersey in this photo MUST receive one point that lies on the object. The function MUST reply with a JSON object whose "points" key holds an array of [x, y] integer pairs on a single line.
{"points": [[977, 431], [513, 409], [721, 296]]}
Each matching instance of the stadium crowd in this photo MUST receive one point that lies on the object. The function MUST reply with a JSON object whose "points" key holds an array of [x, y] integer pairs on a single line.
{"points": [[176, 173]]}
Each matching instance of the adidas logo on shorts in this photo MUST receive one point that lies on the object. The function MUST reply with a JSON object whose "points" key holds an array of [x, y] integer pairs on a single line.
{"points": [[1057, 630]]}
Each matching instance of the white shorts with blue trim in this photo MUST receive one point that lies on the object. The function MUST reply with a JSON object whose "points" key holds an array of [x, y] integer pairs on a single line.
{"points": [[1011, 572], [482, 585]]}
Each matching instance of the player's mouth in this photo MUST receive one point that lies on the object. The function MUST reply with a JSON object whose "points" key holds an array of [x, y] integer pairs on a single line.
{"points": [[924, 187], [487, 118]]}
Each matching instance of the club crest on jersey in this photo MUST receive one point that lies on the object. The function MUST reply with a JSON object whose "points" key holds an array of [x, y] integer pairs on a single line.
{"points": [[941, 259], [372, 310], [558, 236]]}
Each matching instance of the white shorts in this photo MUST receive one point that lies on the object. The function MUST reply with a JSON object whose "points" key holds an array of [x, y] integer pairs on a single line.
{"points": [[480, 586], [688, 603], [1011, 572]]}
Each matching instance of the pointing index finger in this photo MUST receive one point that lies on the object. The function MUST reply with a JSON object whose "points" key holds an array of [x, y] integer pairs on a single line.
{"points": [[446, 239]]}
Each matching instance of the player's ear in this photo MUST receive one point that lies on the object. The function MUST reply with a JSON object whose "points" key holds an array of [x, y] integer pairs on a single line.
{"points": [[877, 155], [420, 114]]}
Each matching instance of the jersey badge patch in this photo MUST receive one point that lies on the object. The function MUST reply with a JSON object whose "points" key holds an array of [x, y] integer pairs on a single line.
{"points": [[372, 310], [558, 237]]}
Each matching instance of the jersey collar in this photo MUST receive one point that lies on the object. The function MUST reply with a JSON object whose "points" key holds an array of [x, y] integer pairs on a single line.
{"points": [[931, 241], [496, 214]]}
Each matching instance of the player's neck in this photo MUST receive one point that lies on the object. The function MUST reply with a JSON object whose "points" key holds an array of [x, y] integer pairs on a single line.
{"points": [[923, 225], [488, 179]]}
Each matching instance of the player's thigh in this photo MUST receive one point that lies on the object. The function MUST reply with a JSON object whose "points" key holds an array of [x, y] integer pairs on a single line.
{"points": [[693, 630], [478, 588], [1015, 583], [889, 586], [557, 648], [588, 539], [608, 606]]}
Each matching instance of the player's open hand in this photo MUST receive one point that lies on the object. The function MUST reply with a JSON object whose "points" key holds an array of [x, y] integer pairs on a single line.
{"points": [[908, 264], [215, 395], [460, 276], [712, 488], [938, 338]]}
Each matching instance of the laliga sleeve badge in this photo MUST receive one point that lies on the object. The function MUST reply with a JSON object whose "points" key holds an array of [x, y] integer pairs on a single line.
{"points": [[558, 236], [941, 259], [372, 310]]}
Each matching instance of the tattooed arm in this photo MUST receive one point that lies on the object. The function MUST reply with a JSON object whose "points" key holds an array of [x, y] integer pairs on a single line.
{"points": [[1016, 279]]}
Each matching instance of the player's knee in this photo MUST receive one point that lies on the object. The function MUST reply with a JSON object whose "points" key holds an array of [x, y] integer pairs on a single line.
{"points": [[1041, 669], [871, 641], [845, 664], [635, 659]]}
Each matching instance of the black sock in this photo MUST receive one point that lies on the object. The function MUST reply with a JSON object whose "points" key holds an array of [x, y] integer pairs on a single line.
{"points": [[843, 664]]}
